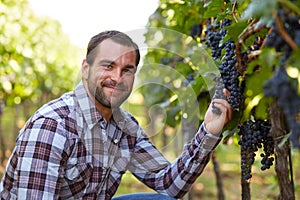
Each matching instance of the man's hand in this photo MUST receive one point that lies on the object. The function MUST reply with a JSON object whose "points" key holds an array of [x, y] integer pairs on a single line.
{"points": [[214, 123]]}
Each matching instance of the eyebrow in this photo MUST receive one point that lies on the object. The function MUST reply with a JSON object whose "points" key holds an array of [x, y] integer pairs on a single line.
{"points": [[113, 63], [107, 61]]}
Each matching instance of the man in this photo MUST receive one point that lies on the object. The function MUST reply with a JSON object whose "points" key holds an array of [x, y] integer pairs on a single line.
{"points": [[79, 145]]}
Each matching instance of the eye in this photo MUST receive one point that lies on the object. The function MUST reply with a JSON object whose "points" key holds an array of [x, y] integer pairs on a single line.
{"points": [[128, 71], [107, 66]]}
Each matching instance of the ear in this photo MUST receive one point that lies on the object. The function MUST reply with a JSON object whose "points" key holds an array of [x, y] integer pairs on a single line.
{"points": [[85, 69]]}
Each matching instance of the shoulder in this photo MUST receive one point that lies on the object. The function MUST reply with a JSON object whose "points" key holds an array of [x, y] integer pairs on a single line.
{"points": [[57, 109], [53, 117], [130, 124], [129, 117]]}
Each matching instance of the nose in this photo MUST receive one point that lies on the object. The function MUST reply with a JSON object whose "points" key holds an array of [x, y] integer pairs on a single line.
{"points": [[116, 75]]}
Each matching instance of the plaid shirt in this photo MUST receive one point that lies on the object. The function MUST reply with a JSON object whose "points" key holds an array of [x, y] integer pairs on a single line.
{"points": [[66, 150]]}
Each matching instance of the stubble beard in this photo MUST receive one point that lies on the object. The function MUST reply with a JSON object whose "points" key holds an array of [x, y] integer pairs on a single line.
{"points": [[112, 101]]}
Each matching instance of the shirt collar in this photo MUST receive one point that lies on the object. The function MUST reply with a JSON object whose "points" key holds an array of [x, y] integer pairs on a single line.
{"points": [[87, 107], [126, 122]]}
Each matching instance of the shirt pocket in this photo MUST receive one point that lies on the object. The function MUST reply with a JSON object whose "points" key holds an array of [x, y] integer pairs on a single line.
{"points": [[79, 172], [121, 161]]}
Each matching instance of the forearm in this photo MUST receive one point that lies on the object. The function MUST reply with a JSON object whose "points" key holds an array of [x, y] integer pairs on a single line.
{"points": [[175, 179], [192, 162]]}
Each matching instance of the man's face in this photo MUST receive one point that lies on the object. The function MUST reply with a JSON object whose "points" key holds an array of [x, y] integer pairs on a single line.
{"points": [[110, 78]]}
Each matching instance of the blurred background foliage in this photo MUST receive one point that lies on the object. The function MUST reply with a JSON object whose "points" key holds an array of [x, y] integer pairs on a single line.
{"points": [[37, 63], [37, 58]]}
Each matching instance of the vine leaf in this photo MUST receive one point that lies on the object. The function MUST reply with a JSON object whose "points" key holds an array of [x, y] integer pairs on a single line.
{"points": [[213, 9], [257, 9]]}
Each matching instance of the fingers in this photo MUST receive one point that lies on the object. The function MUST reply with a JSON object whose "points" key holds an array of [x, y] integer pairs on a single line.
{"points": [[226, 92], [225, 108]]}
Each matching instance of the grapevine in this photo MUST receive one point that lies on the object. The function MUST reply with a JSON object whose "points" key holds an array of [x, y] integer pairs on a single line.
{"points": [[280, 87], [284, 37], [286, 30], [255, 46]]}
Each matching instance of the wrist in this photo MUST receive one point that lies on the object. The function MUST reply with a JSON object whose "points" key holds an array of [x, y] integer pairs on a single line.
{"points": [[212, 129]]}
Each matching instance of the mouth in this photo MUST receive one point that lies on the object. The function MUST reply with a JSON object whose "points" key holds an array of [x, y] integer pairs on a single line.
{"points": [[114, 88]]}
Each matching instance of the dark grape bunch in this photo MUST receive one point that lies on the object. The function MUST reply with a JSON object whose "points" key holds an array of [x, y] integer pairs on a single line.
{"points": [[291, 26], [219, 94], [230, 76], [254, 135], [280, 88], [215, 33], [196, 31]]}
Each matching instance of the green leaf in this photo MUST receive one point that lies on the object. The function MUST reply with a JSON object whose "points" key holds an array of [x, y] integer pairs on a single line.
{"points": [[234, 122], [260, 9], [172, 120], [235, 30], [213, 8]]}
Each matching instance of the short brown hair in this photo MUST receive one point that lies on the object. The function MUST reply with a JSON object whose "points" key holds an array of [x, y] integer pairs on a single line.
{"points": [[116, 36]]}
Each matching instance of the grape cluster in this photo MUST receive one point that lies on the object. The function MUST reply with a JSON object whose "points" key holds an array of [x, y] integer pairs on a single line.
{"points": [[213, 38], [196, 31], [230, 76], [291, 25], [215, 33], [281, 88], [254, 135]]}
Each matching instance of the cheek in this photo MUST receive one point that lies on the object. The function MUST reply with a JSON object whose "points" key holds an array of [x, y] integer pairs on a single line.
{"points": [[95, 76], [129, 81]]}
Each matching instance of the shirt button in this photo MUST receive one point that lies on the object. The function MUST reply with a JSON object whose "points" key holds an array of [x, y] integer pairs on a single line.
{"points": [[121, 124]]}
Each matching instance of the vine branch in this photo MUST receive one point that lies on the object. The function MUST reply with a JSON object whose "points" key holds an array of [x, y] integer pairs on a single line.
{"points": [[283, 33], [232, 12], [250, 30]]}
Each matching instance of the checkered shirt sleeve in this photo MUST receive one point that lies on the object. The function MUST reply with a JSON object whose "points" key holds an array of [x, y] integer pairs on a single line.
{"points": [[174, 179]]}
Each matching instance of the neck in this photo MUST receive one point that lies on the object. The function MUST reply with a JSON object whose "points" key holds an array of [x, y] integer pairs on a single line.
{"points": [[104, 111]]}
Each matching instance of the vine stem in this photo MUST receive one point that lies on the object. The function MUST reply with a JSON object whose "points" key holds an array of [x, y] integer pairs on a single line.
{"points": [[232, 12], [282, 32], [250, 30], [282, 154]]}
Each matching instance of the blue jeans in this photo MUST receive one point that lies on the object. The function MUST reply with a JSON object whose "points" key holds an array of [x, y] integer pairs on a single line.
{"points": [[143, 196]]}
